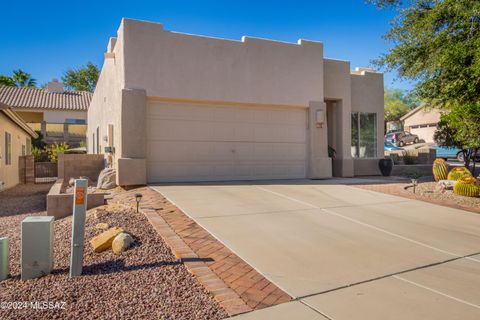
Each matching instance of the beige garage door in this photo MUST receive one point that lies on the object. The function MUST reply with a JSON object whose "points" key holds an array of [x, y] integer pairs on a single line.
{"points": [[215, 143]]}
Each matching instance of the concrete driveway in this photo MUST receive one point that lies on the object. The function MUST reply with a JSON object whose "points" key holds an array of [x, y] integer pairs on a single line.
{"points": [[343, 252]]}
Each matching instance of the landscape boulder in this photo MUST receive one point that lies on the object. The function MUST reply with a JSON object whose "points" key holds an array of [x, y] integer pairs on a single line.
{"points": [[122, 242], [444, 185], [106, 179], [104, 240]]}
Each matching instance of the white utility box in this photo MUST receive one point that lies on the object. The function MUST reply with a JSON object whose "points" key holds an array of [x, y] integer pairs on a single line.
{"points": [[37, 246]]}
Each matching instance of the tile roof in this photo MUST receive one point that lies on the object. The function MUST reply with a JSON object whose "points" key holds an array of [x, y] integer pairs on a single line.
{"points": [[25, 97]]}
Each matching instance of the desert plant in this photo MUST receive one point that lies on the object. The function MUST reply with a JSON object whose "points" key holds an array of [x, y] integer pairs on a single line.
{"points": [[55, 149], [440, 169], [36, 153], [467, 186], [414, 175], [458, 172]]}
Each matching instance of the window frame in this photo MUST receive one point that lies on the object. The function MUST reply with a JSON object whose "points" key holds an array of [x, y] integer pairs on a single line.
{"points": [[359, 134]]}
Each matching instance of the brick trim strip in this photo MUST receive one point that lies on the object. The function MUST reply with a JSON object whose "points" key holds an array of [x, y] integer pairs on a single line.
{"points": [[223, 294]]}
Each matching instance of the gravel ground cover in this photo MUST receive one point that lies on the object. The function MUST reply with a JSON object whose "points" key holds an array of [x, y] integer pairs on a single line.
{"points": [[144, 282], [426, 191]]}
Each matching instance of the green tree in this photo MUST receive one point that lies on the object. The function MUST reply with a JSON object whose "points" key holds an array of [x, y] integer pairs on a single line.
{"points": [[460, 128], [437, 44], [18, 78], [23, 79], [395, 106], [6, 81], [82, 79]]}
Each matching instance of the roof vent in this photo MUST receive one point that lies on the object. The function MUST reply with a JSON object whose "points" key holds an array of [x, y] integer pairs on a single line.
{"points": [[55, 87]]}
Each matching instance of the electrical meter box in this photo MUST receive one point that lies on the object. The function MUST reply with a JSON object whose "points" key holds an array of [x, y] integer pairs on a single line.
{"points": [[37, 246]]}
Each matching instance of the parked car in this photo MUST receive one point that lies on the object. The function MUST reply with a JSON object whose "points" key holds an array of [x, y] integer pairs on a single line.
{"points": [[452, 153], [388, 146], [401, 138]]}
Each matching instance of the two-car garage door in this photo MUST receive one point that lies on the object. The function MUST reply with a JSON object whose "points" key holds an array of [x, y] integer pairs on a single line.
{"points": [[215, 143]]}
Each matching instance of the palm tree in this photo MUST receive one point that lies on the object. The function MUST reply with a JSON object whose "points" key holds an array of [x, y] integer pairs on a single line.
{"points": [[6, 81], [23, 79]]}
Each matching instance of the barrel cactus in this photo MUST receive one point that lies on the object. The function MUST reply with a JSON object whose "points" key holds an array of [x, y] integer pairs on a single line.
{"points": [[467, 186], [458, 172], [440, 169]]}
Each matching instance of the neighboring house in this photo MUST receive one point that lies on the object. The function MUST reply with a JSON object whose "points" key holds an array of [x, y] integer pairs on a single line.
{"points": [[181, 107], [58, 114], [422, 121], [15, 140]]}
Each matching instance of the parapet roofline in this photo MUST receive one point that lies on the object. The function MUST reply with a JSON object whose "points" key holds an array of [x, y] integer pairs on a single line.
{"points": [[243, 39]]}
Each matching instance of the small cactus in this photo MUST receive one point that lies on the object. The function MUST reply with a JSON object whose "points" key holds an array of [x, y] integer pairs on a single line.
{"points": [[467, 186], [458, 172], [440, 169]]}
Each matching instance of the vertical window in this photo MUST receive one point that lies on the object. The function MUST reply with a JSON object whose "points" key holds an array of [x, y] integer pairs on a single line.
{"points": [[24, 149], [98, 140], [8, 148], [28, 144], [93, 142], [364, 135]]}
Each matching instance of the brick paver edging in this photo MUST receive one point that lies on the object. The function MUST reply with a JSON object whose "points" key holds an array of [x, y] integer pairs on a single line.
{"points": [[223, 294], [220, 270]]}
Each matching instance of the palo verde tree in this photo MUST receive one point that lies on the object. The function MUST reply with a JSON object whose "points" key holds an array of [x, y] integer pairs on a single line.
{"points": [[437, 44]]}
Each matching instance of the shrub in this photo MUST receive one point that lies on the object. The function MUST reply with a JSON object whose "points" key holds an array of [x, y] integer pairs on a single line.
{"points": [[55, 149]]}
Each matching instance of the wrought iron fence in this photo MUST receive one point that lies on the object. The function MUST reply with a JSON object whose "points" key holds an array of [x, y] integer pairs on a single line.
{"points": [[45, 172]]}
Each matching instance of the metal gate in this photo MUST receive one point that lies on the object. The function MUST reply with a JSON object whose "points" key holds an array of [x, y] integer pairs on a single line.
{"points": [[45, 172]]}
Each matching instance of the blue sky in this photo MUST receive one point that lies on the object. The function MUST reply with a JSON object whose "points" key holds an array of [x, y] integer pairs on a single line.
{"points": [[46, 38]]}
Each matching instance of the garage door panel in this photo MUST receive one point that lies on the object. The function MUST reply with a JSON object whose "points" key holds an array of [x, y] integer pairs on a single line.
{"points": [[201, 143]]}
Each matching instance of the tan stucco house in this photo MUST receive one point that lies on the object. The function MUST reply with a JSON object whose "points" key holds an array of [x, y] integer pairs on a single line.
{"points": [[422, 121], [58, 114], [179, 107], [15, 140]]}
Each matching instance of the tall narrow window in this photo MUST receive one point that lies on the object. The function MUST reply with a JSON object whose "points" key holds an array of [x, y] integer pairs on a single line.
{"points": [[8, 148], [28, 144], [93, 142], [98, 140], [364, 135]]}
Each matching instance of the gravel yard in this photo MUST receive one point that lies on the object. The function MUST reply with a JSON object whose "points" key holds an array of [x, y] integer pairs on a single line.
{"points": [[426, 191], [144, 282]]}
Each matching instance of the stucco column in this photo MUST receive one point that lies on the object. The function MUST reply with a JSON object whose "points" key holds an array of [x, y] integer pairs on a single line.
{"points": [[131, 165], [320, 165]]}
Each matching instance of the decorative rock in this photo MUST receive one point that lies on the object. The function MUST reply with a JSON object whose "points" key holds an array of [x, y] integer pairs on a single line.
{"points": [[106, 179], [122, 242], [104, 240], [101, 226], [444, 185]]}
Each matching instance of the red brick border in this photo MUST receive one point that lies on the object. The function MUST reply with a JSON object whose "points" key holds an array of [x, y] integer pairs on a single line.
{"points": [[225, 296], [233, 283]]}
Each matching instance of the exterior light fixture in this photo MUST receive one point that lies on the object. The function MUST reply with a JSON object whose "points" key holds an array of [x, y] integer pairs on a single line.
{"points": [[138, 198]]}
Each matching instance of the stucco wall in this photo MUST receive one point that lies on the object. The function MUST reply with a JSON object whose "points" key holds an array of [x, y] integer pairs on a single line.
{"points": [[146, 62], [50, 116], [423, 116], [105, 107], [169, 64], [9, 174], [367, 96]]}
